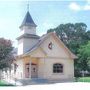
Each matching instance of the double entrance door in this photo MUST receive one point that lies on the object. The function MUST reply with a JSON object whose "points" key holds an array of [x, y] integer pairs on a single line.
{"points": [[31, 71]]}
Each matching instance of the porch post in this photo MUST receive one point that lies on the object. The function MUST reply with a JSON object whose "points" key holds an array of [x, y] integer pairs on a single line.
{"points": [[30, 69]]}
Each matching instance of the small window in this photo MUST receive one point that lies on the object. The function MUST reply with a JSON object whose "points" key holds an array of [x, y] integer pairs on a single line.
{"points": [[57, 68]]}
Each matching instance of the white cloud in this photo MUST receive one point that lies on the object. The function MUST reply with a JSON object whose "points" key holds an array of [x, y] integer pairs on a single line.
{"points": [[74, 6], [88, 1], [87, 7]]}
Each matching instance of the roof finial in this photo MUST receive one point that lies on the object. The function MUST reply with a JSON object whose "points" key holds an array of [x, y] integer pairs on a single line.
{"points": [[28, 6]]}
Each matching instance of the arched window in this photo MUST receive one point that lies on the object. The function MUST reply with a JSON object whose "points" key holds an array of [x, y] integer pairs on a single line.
{"points": [[57, 68]]}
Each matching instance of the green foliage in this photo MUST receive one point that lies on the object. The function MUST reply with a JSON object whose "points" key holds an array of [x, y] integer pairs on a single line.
{"points": [[84, 57], [74, 37], [6, 56]]}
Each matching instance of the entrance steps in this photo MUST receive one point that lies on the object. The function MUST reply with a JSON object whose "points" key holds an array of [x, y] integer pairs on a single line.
{"points": [[36, 81], [32, 81]]}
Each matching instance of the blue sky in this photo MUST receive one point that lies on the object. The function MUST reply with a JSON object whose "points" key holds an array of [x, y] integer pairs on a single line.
{"points": [[46, 14]]}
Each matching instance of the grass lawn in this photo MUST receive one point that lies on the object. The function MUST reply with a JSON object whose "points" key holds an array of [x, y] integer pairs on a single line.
{"points": [[3, 83], [83, 79]]}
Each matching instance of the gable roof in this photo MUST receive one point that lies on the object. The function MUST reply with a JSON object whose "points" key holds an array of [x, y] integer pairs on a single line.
{"points": [[28, 21], [65, 47], [43, 38], [37, 45]]}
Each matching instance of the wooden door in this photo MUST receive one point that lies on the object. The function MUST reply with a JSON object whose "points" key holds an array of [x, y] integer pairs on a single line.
{"points": [[34, 71], [27, 71]]}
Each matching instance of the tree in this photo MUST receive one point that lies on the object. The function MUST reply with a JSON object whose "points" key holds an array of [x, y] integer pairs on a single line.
{"points": [[73, 36], [84, 57], [6, 55]]}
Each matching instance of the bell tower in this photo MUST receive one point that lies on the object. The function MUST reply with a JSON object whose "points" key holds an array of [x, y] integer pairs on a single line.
{"points": [[28, 37]]}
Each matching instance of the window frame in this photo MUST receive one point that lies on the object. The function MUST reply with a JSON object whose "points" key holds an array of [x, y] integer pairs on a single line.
{"points": [[59, 68]]}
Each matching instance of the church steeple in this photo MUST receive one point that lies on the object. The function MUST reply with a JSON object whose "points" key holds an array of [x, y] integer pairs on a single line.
{"points": [[28, 26], [28, 21], [27, 38]]}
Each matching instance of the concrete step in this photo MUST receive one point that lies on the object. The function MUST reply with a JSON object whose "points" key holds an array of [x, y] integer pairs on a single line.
{"points": [[32, 81]]}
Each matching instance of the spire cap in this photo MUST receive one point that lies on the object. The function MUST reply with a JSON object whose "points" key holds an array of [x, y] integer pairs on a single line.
{"points": [[28, 21]]}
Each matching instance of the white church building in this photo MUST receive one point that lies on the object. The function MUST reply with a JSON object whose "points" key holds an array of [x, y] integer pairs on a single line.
{"points": [[44, 57]]}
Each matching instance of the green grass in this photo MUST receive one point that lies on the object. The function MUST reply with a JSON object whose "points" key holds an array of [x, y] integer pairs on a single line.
{"points": [[83, 79], [3, 83]]}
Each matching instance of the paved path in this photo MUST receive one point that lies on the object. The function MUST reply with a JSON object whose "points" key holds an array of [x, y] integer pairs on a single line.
{"points": [[58, 86]]}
